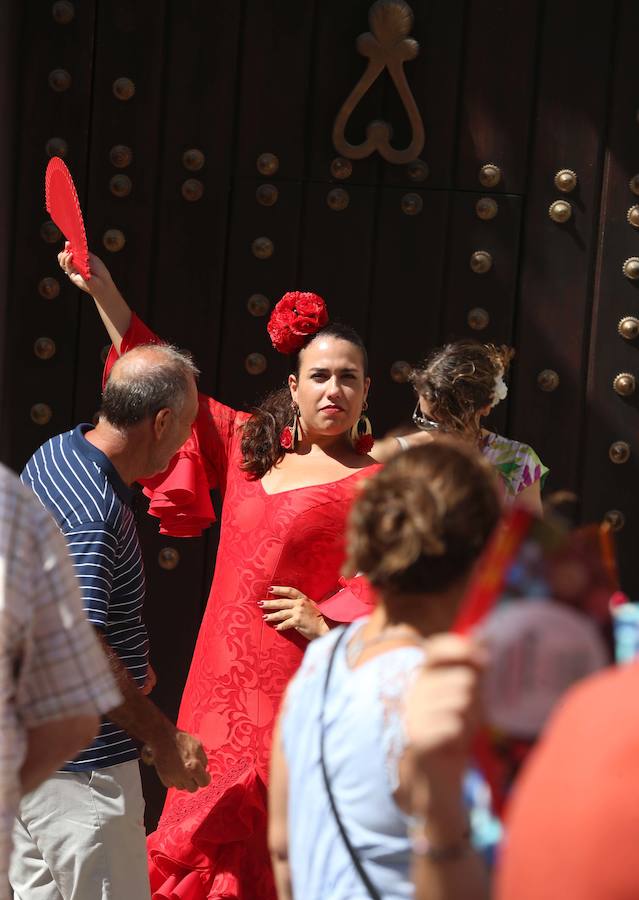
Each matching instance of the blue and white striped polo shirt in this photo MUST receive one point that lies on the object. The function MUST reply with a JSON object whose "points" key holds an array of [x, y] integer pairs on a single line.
{"points": [[79, 485]]}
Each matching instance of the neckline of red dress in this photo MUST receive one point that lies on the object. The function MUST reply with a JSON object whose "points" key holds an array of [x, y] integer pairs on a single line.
{"points": [[308, 487]]}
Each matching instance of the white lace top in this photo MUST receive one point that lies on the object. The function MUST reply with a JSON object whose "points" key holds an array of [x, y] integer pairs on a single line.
{"points": [[364, 743]]}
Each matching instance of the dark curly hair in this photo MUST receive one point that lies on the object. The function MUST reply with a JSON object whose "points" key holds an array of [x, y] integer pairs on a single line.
{"points": [[261, 449], [458, 380], [420, 523]]}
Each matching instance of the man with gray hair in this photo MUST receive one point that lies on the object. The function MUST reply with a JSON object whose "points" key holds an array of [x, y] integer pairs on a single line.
{"points": [[80, 835]]}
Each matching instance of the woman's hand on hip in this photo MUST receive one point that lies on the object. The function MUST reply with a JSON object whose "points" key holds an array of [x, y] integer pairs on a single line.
{"points": [[289, 608]]}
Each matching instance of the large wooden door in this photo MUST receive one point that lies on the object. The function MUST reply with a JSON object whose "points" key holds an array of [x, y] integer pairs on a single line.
{"points": [[201, 138]]}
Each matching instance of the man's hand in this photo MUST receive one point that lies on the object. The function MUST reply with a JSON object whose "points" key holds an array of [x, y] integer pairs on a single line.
{"points": [[178, 757], [99, 284], [180, 761], [150, 681], [293, 609]]}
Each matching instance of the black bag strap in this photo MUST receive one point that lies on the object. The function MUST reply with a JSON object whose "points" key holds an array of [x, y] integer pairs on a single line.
{"points": [[368, 884]]}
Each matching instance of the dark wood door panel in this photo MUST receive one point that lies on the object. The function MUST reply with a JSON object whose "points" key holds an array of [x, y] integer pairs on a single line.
{"points": [[481, 274], [405, 297], [435, 81], [499, 77], [11, 17], [337, 69], [126, 107], [483, 258], [54, 101], [336, 249], [193, 188], [262, 265], [277, 65], [611, 449], [554, 303]]}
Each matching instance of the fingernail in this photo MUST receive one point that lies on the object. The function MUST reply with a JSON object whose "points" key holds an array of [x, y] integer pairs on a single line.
{"points": [[260, 603]]}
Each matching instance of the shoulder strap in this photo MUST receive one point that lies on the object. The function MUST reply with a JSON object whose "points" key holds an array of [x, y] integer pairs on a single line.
{"points": [[368, 884]]}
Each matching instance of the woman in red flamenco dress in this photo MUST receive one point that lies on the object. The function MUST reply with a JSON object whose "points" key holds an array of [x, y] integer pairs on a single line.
{"points": [[287, 475]]}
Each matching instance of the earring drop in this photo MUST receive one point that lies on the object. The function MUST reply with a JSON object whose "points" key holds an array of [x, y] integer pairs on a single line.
{"points": [[291, 433], [362, 434]]}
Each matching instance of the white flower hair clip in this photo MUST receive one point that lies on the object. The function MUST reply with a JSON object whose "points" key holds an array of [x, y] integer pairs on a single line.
{"points": [[500, 391]]}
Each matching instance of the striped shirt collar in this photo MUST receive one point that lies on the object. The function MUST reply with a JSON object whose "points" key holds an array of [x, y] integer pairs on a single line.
{"points": [[89, 451]]}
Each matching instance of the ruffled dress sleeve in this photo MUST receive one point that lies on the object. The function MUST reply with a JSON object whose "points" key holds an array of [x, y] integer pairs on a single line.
{"points": [[180, 496]]}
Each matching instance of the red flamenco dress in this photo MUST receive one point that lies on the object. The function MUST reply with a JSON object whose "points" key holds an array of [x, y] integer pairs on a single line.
{"points": [[212, 844]]}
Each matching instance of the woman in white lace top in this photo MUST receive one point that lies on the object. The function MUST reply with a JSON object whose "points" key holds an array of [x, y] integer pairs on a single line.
{"points": [[395, 771]]}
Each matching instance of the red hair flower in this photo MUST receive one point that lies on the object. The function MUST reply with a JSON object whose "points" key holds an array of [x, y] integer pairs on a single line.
{"points": [[297, 315]]}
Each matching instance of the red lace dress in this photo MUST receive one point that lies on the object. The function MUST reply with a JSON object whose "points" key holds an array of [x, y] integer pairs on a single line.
{"points": [[212, 844]]}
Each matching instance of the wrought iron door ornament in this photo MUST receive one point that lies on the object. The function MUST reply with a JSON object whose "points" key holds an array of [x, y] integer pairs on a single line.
{"points": [[387, 46]]}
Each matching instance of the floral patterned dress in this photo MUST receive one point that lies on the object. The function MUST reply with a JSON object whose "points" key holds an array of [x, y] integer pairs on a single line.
{"points": [[518, 465]]}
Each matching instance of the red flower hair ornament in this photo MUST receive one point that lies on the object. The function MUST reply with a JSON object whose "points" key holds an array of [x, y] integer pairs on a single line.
{"points": [[298, 315]]}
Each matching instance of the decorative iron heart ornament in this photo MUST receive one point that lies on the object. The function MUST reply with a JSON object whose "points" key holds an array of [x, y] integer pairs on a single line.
{"points": [[64, 208], [388, 47]]}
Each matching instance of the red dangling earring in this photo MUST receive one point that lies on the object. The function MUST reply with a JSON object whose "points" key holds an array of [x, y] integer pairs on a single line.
{"points": [[361, 434], [291, 433]]}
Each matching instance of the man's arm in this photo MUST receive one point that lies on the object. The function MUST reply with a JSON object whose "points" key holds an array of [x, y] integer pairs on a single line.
{"points": [[178, 757], [113, 308], [278, 818], [50, 745]]}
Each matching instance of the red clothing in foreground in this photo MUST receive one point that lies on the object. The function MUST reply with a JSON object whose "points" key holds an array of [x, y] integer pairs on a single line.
{"points": [[212, 844], [573, 823]]}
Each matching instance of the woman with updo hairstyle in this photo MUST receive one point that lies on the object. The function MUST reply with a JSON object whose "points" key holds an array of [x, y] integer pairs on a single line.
{"points": [[457, 386], [371, 748]]}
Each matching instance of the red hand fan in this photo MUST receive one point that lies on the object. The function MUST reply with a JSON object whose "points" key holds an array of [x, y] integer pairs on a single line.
{"points": [[64, 208]]}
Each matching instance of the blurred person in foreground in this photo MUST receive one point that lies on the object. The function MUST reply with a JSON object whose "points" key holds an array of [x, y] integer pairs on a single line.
{"points": [[372, 745], [55, 680], [573, 820]]}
